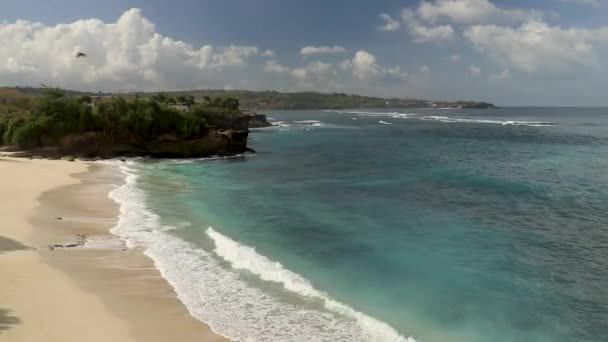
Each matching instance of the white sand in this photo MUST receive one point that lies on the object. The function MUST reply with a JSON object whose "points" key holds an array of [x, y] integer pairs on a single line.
{"points": [[76, 294]]}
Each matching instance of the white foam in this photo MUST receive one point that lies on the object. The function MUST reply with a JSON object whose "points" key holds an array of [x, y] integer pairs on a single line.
{"points": [[308, 121], [530, 123], [486, 121], [389, 114], [246, 258], [279, 124], [221, 297], [204, 159], [384, 122]]}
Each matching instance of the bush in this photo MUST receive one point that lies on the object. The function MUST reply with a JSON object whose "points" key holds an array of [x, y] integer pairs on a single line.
{"points": [[11, 127], [51, 117], [28, 135]]}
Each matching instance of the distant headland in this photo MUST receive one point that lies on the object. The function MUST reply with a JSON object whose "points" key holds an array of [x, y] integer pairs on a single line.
{"points": [[56, 123], [270, 99]]}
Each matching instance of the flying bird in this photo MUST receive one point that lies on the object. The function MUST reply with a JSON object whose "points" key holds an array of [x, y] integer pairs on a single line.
{"points": [[80, 54]]}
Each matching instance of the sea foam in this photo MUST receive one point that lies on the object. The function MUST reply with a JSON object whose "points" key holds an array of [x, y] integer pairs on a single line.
{"points": [[449, 119], [221, 297]]}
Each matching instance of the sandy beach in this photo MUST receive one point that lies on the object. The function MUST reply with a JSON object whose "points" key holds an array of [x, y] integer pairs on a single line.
{"points": [[100, 291]]}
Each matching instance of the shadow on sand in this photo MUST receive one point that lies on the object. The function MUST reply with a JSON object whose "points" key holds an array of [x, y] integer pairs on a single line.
{"points": [[8, 245], [7, 320]]}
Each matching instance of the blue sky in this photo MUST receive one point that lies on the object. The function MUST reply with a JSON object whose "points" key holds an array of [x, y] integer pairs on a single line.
{"points": [[534, 52]]}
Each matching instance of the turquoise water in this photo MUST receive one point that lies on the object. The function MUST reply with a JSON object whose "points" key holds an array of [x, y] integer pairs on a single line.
{"points": [[444, 225]]}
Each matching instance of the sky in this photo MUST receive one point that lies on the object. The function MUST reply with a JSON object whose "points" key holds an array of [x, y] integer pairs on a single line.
{"points": [[535, 52]]}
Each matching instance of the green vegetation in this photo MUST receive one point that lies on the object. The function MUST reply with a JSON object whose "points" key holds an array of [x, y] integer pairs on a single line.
{"points": [[35, 121], [270, 99], [262, 100]]}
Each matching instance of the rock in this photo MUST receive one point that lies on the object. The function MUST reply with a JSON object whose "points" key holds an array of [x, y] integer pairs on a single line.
{"points": [[258, 120], [68, 158], [59, 218], [224, 142]]}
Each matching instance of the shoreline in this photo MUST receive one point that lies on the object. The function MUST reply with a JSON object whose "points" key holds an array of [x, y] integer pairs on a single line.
{"points": [[97, 292]]}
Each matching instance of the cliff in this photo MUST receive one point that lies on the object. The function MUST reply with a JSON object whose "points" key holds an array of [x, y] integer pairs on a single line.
{"points": [[95, 145], [257, 120], [57, 125]]}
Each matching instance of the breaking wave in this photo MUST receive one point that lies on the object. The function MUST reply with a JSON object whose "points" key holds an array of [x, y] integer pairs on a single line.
{"points": [[219, 295]]}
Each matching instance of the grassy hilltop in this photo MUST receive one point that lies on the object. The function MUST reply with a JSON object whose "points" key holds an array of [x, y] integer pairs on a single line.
{"points": [[265, 100]]}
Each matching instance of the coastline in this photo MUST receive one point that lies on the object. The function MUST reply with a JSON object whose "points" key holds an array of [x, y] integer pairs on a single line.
{"points": [[97, 292]]}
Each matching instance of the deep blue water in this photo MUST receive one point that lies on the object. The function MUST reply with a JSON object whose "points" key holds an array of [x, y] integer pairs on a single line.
{"points": [[448, 225]]}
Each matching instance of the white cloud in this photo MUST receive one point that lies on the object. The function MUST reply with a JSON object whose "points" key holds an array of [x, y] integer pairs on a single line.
{"points": [[312, 73], [425, 68], [455, 58], [269, 54], [364, 67], [319, 68], [299, 73], [592, 3], [423, 33], [474, 70], [501, 76], [127, 54], [390, 24], [273, 66], [537, 46], [396, 73], [472, 12], [311, 50]]}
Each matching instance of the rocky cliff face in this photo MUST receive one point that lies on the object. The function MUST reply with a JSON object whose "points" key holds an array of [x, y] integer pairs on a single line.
{"points": [[95, 145], [227, 136], [258, 120]]}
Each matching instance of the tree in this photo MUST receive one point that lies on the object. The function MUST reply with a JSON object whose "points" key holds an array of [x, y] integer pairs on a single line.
{"points": [[160, 98], [230, 103]]}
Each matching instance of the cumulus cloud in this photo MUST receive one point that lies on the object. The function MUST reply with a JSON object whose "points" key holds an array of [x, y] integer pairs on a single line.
{"points": [[537, 46], [423, 33], [312, 50], [310, 75], [500, 76], [472, 12], [274, 66], [389, 24], [592, 3], [127, 54], [269, 54], [364, 67], [455, 58], [474, 70]]}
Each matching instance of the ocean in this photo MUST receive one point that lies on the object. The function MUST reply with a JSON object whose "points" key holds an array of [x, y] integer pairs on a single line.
{"points": [[388, 225]]}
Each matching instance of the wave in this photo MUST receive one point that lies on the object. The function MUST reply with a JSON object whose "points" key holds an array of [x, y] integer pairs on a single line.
{"points": [[384, 122], [220, 297], [485, 121], [279, 124], [397, 115], [390, 114], [530, 123], [308, 121], [246, 258], [204, 159]]}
